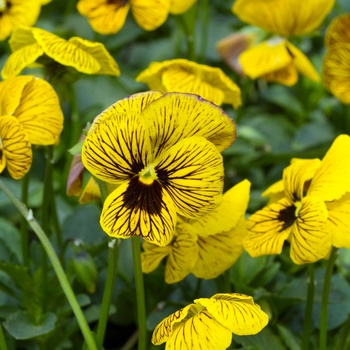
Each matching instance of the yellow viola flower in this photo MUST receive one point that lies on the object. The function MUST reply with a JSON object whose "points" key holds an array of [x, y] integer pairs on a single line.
{"points": [[206, 247], [17, 13], [283, 17], [336, 66], [30, 113], [108, 17], [208, 323], [180, 6], [29, 44], [313, 211], [186, 76], [163, 152], [15, 148]]}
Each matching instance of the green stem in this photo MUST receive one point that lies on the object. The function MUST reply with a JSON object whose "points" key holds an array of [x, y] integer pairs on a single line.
{"points": [[108, 290], [140, 293], [3, 345], [205, 25], [188, 22], [24, 225], [309, 306], [325, 295], [62, 278], [46, 203], [344, 335]]}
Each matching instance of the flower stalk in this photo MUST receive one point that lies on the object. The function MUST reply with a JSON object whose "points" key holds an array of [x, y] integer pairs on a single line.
{"points": [[309, 305]]}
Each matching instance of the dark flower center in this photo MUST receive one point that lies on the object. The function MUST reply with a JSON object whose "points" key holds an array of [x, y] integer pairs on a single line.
{"points": [[287, 216]]}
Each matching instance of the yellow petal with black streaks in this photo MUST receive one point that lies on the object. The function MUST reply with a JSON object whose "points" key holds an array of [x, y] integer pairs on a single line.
{"points": [[152, 255], [192, 172]]}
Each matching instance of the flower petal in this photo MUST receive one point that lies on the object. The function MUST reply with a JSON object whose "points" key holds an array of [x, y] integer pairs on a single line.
{"points": [[182, 75], [135, 103], [91, 191], [105, 17], [39, 112], [176, 116], [21, 59], [265, 58], [137, 209], [97, 50], [310, 240], [338, 31], [283, 17], [269, 227], [180, 6], [287, 76], [236, 312], [150, 14], [338, 221], [152, 255], [219, 252], [331, 180], [336, 71], [15, 148], [65, 52], [117, 149], [226, 215], [183, 255], [191, 172]]}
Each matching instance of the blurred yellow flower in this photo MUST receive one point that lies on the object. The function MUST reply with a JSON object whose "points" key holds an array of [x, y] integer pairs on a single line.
{"points": [[336, 63], [17, 13], [163, 152], [30, 113], [311, 209], [180, 6], [108, 17], [182, 75], [206, 247], [276, 59], [208, 323], [29, 44]]}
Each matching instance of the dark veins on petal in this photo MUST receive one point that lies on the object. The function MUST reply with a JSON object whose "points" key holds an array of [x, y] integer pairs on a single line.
{"points": [[287, 216], [145, 197]]}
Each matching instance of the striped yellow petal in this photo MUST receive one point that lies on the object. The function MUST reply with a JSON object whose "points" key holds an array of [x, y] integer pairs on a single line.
{"points": [[21, 59], [269, 227], [338, 221], [66, 53], [117, 149], [310, 240], [15, 149], [338, 31], [219, 252], [150, 14], [180, 6], [183, 255], [39, 110], [135, 103], [336, 71], [21, 37], [191, 172], [152, 255], [287, 76], [331, 180], [236, 312], [175, 116], [98, 51], [297, 175], [138, 209], [186, 76], [105, 17], [91, 191], [227, 214], [283, 17]]}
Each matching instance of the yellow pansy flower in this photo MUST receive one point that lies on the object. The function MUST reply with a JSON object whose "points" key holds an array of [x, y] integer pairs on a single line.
{"points": [[17, 13], [186, 76], [30, 113], [29, 44], [206, 247], [311, 211], [180, 6], [163, 152], [336, 63], [108, 17], [275, 60], [208, 323]]}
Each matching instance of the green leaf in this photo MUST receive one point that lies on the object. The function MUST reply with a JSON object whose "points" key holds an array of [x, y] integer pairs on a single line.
{"points": [[10, 242], [76, 149], [21, 326], [288, 337]]}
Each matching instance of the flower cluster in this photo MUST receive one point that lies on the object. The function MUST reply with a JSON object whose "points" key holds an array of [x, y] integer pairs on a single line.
{"points": [[30, 113]]}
